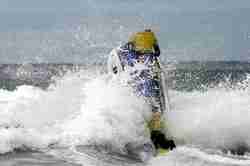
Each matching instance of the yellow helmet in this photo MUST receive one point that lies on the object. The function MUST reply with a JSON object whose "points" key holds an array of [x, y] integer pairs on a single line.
{"points": [[143, 41]]}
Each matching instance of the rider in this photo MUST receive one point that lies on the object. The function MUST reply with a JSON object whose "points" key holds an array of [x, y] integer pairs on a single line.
{"points": [[145, 44]]}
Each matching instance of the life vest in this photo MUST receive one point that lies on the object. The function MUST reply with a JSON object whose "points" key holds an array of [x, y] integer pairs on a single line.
{"points": [[143, 41], [156, 123]]}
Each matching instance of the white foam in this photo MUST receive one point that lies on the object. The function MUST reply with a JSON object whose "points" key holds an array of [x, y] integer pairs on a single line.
{"points": [[218, 118], [35, 111], [87, 107], [111, 113], [189, 156], [81, 107]]}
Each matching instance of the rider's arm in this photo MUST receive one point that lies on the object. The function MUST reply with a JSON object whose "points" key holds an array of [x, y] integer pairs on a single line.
{"points": [[156, 47], [114, 62], [157, 50]]}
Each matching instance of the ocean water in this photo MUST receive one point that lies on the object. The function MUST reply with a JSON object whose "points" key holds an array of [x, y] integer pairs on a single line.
{"points": [[43, 123], [181, 76]]}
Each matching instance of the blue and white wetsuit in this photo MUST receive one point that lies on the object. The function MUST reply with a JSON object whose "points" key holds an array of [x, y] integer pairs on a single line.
{"points": [[144, 71]]}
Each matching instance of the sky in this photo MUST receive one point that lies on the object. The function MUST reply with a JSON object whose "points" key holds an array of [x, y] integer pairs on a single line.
{"points": [[60, 5], [204, 30]]}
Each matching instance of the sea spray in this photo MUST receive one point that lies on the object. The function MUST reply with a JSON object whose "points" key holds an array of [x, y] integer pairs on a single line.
{"points": [[80, 108], [89, 107], [111, 114], [30, 113], [218, 118]]}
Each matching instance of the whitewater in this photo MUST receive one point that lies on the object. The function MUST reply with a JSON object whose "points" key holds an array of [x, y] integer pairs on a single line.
{"points": [[90, 107]]}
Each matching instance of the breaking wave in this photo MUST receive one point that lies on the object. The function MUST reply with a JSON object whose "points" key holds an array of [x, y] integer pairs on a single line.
{"points": [[88, 107]]}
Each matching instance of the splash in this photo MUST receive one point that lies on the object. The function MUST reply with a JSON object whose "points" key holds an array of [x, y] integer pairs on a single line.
{"points": [[30, 114], [111, 114], [217, 118], [80, 108], [88, 107]]}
